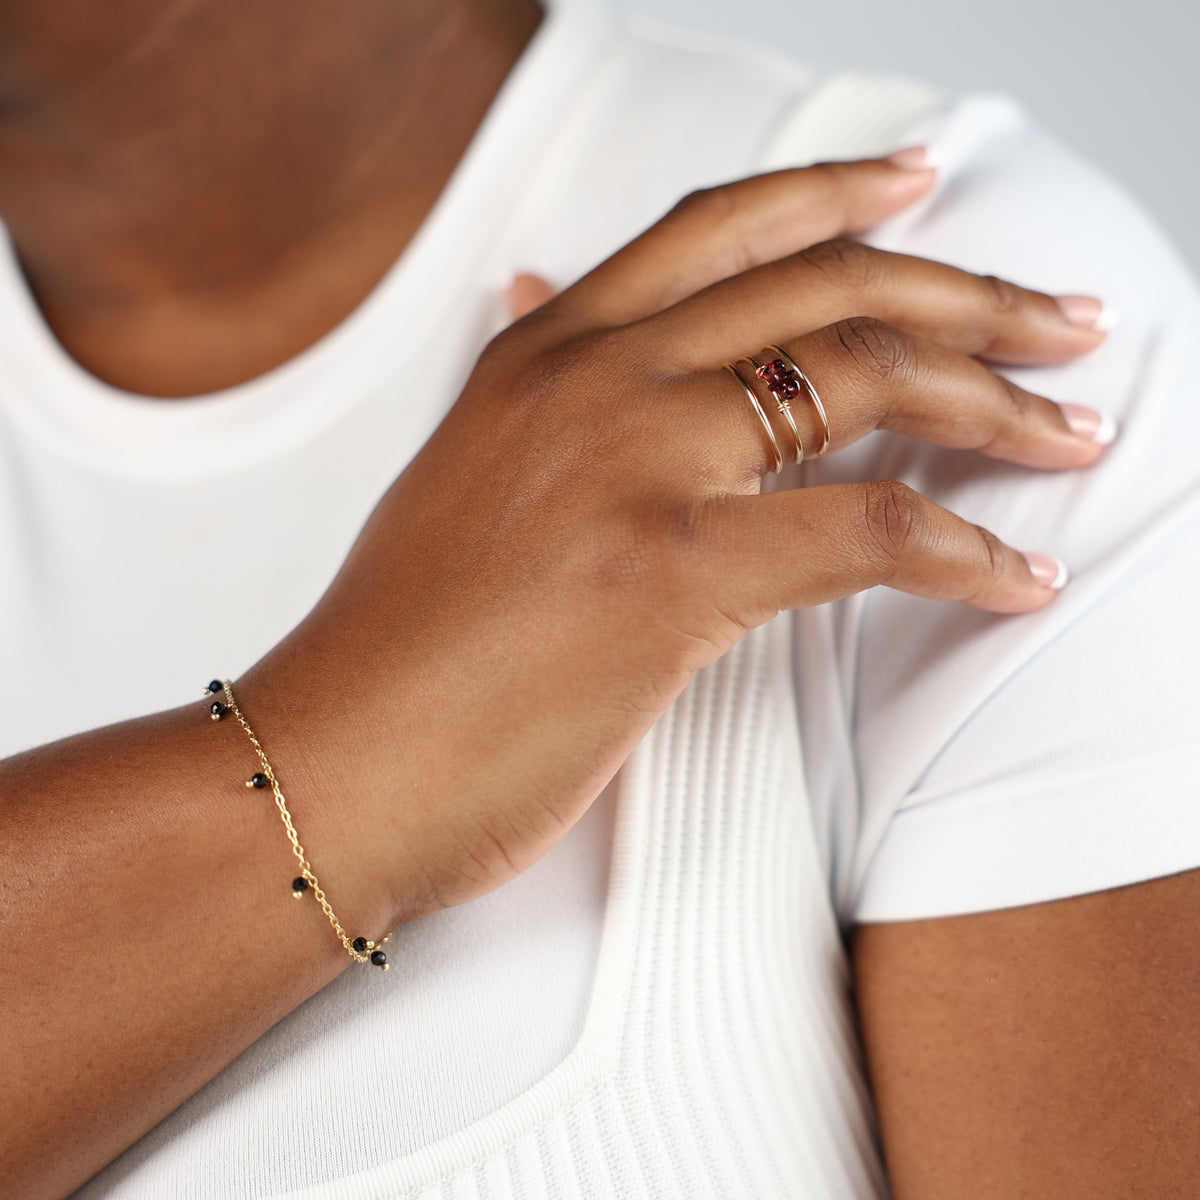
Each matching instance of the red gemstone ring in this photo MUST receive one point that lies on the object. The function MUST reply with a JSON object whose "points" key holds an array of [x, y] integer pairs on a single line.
{"points": [[783, 373], [785, 387]]}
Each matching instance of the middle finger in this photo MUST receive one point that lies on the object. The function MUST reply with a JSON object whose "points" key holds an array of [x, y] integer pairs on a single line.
{"points": [[977, 315]]}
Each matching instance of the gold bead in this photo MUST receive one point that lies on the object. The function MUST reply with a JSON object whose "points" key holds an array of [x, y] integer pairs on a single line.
{"points": [[387, 966], [298, 895]]}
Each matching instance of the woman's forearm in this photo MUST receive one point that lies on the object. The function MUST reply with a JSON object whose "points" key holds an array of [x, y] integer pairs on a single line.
{"points": [[148, 932]]}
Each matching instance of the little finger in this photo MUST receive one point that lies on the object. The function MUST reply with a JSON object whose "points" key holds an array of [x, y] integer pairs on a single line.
{"points": [[793, 549]]}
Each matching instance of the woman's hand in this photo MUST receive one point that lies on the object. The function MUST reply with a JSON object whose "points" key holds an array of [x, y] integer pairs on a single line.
{"points": [[585, 530], [581, 534]]}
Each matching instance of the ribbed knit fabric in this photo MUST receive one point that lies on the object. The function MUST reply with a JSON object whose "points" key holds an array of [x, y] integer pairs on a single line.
{"points": [[718, 1057]]}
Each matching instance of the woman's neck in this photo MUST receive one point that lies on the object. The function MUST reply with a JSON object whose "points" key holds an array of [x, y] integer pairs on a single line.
{"points": [[198, 190]]}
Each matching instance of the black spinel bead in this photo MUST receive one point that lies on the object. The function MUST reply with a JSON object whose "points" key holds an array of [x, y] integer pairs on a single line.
{"points": [[216, 686], [299, 884], [378, 958], [359, 944], [218, 709], [259, 780]]}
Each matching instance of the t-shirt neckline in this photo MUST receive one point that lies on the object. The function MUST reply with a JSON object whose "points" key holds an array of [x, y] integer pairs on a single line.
{"points": [[119, 432]]}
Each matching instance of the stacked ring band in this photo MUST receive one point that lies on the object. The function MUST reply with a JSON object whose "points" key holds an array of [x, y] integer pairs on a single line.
{"points": [[812, 396], [786, 381], [762, 416], [784, 404]]}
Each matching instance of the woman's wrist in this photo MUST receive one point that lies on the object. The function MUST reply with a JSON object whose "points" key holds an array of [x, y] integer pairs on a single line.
{"points": [[332, 766]]}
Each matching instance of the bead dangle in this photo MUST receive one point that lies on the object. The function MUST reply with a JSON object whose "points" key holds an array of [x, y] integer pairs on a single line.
{"points": [[785, 379], [360, 949]]}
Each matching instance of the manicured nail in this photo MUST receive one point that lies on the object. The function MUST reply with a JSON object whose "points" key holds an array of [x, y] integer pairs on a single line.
{"points": [[1088, 312], [1088, 423], [913, 158], [1048, 571]]}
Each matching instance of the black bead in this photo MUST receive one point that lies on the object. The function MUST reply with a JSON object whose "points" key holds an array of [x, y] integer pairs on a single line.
{"points": [[218, 709], [360, 944], [259, 780], [299, 884], [216, 686], [378, 958]]}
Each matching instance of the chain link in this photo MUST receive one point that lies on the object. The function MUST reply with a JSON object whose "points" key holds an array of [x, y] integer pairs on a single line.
{"points": [[305, 867]]}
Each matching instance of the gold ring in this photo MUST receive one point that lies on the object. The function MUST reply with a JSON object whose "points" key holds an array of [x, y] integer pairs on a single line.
{"points": [[762, 416]]}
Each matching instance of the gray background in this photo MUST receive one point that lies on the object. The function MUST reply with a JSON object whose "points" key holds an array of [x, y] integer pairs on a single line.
{"points": [[1117, 80]]}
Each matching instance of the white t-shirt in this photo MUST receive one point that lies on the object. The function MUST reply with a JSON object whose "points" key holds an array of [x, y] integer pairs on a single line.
{"points": [[954, 761]]}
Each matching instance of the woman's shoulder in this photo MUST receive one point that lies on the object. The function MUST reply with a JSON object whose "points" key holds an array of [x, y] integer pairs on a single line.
{"points": [[999, 762]]}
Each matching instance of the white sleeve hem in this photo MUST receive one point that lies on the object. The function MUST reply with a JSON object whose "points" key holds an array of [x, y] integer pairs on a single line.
{"points": [[1022, 847]]}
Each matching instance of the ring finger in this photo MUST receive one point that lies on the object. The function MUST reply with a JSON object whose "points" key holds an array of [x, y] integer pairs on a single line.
{"points": [[869, 375]]}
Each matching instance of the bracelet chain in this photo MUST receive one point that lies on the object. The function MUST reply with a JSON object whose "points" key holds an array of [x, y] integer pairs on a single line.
{"points": [[306, 870]]}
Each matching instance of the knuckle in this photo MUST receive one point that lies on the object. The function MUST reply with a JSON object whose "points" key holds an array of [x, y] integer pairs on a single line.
{"points": [[716, 211], [710, 204], [893, 515], [875, 348], [678, 528], [503, 356], [999, 295], [546, 407], [850, 263], [994, 559], [837, 172], [1017, 399], [656, 543], [827, 182], [553, 375]]}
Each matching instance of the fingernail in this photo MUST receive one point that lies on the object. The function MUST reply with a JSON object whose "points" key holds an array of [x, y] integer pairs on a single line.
{"points": [[913, 158], [1089, 423], [1088, 312], [1048, 571]]}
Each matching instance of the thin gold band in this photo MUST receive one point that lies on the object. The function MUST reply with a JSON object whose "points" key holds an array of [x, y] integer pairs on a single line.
{"points": [[812, 395], [306, 871], [785, 409], [762, 416]]}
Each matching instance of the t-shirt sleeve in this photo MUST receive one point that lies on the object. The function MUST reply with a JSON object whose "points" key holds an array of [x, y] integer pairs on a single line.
{"points": [[960, 761]]}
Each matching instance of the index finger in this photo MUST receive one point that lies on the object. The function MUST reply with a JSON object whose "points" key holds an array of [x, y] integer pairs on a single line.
{"points": [[718, 232]]}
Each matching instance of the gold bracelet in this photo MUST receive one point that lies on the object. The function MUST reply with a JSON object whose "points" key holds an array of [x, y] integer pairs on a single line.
{"points": [[359, 948]]}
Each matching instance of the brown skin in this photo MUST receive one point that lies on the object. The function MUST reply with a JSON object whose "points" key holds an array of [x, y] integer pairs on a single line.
{"points": [[287, 155], [1046, 1051], [521, 607], [498, 640]]}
